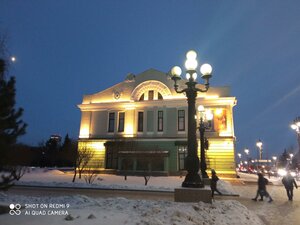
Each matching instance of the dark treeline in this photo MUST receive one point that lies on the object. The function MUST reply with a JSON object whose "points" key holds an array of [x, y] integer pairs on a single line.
{"points": [[52, 153]]}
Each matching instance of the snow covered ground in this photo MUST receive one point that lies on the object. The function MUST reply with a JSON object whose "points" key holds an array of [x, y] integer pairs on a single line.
{"points": [[79, 209], [57, 178], [114, 211]]}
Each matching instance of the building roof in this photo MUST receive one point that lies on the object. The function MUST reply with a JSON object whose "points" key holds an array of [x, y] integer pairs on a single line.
{"points": [[134, 85]]}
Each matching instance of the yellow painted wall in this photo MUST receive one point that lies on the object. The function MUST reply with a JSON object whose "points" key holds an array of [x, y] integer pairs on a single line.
{"points": [[220, 155], [98, 149]]}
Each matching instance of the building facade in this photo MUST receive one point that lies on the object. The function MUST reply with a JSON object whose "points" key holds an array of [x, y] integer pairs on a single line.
{"points": [[140, 125]]}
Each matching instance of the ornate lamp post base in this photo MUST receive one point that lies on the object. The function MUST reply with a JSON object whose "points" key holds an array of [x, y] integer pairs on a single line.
{"points": [[193, 181]]}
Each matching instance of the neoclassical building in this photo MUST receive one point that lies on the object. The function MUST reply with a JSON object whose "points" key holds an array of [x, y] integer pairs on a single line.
{"points": [[140, 125]]}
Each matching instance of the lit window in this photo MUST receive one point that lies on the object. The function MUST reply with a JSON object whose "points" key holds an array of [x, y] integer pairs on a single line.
{"points": [[159, 96], [142, 97], [150, 95], [121, 122]]}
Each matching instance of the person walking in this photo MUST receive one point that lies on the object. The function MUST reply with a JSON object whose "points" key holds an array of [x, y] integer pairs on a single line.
{"points": [[213, 183], [289, 182], [262, 189]]}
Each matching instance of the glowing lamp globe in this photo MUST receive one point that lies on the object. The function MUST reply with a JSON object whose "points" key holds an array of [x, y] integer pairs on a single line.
{"points": [[294, 126], [188, 76], [209, 115], [176, 71], [194, 76], [206, 70], [191, 54], [191, 64], [201, 108]]}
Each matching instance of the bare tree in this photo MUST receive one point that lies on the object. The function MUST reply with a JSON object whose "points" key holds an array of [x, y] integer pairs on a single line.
{"points": [[83, 156], [90, 175]]}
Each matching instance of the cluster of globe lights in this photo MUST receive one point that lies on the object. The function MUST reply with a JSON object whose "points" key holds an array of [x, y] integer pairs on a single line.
{"points": [[191, 64], [296, 125]]}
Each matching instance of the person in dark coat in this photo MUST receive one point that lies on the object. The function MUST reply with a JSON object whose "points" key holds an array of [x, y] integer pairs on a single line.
{"points": [[289, 182], [213, 183], [262, 189]]}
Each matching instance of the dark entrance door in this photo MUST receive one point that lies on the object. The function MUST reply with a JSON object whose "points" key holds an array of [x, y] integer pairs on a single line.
{"points": [[111, 158]]}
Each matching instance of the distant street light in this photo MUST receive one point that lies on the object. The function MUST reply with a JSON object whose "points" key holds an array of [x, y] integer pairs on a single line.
{"points": [[246, 151], [239, 155], [13, 58], [192, 178], [259, 145], [296, 126], [247, 155], [274, 159], [291, 158]]}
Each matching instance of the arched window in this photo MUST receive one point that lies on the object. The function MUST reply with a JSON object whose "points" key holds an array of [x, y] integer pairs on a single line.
{"points": [[159, 96], [142, 97]]}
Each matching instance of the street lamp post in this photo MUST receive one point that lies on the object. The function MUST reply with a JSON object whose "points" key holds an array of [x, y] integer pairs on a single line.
{"points": [[192, 178], [274, 159], [296, 126], [259, 145], [202, 129], [247, 155], [291, 158]]}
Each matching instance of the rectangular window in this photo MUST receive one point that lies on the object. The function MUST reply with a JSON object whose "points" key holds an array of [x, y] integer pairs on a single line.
{"points": [[151, 95], [140, 121], [160, 121], [111, 122], [181, 120], [121, 122]]}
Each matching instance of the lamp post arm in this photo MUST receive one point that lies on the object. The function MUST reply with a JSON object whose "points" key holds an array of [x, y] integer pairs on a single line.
{"points": [[206, 87], [179, 91], [202, 90]]}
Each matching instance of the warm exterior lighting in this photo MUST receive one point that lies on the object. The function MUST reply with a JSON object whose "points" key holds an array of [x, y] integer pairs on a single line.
{"points": [[84, 132], [209, 115], [274, 158], [192, 178], [200, 108], [219, 112]]}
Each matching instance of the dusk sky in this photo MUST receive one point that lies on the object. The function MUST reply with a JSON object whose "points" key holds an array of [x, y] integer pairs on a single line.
{"points": [[69, 48]]}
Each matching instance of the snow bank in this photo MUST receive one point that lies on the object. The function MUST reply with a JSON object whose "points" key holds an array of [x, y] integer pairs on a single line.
{"points": [[111, 211]]}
